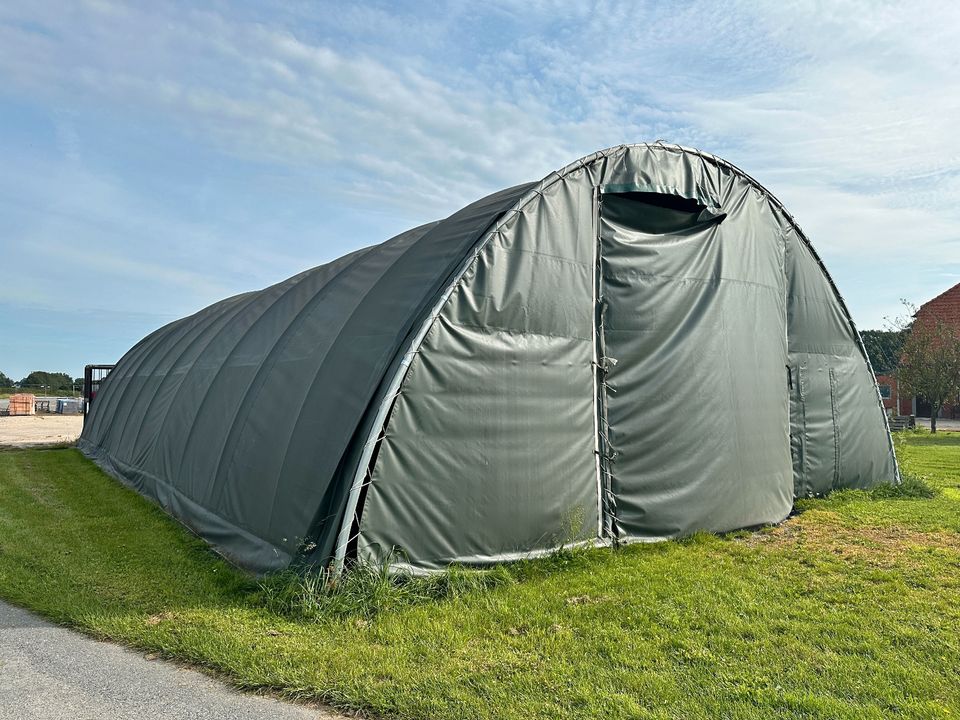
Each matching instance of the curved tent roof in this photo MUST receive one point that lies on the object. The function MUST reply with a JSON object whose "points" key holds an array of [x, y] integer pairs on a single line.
{"points": [[260, 421]]}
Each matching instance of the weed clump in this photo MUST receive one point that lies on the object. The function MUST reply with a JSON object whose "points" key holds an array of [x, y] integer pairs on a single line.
{"points": [[911, 487], [366, 590]]}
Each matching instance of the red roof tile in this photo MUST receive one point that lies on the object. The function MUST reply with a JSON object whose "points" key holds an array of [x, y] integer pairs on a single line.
{"points": [[945, 306]]}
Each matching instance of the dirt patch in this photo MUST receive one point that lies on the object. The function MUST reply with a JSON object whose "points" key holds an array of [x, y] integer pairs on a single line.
{"points": [[822, 531], [160, 617], [31, 430]]}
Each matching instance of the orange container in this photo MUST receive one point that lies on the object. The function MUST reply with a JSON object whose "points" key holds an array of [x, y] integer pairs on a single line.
{"points": [[22, 404]]}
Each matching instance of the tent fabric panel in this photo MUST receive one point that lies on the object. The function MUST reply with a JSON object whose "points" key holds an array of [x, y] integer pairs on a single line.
{"points": [[187, 453], [234, 543], [349, 381], [184, 383], [152, 377], [144, 425], [299, 362], [102, 423], [819, 469], [489, 451], [183, 358], [864, 439], [667, 169], [697, 405], [484, 459], [173, 362], [267, 354], [839, 434], [128, 397]]}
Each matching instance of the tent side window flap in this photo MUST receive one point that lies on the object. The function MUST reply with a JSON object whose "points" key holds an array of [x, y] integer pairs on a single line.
{"points": [[594, 357]]}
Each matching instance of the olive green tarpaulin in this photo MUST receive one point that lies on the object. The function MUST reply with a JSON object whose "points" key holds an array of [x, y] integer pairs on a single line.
{"points": [[642, 345]]}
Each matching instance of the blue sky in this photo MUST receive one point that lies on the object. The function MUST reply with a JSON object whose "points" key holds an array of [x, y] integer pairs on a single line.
{"points": [[157, 157]]}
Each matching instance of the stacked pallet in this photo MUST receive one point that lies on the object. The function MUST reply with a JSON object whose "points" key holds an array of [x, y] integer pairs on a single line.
{"points": [[902, 422], [22, 404]]}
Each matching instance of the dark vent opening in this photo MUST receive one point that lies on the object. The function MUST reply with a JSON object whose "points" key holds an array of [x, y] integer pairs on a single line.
{"points": [[657, 213]]}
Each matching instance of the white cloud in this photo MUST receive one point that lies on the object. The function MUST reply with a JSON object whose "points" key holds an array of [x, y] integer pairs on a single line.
{"points": [[846, 111]]}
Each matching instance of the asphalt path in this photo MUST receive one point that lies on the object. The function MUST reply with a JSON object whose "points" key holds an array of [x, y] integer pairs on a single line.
{"points": [[48, 672]]}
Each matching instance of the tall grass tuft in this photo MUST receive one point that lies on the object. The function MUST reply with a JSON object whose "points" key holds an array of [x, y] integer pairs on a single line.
{"points": [[366, 590], [911, 487]]}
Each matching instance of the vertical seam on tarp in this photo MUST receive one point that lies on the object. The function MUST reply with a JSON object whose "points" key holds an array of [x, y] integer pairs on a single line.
{"points": [[801, 462], [836, 429], [802, 395]]}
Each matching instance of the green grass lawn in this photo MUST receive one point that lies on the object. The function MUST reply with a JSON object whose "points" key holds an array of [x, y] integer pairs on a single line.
{"points": [[849, 610], [7, 392]]}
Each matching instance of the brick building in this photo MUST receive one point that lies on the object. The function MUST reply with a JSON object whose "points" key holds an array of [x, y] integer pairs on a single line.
{"points": [[891, 396], [945, 307]]}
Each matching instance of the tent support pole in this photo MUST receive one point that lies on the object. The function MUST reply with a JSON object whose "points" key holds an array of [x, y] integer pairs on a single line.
{"points": [[608, 519], [595, 230]]}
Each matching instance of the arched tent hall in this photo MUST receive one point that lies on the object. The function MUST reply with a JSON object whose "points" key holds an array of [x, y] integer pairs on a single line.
{"points": [[641, 345]]}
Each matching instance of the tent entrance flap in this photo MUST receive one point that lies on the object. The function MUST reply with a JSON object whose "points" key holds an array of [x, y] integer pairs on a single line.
{"points": [[692, 339]]}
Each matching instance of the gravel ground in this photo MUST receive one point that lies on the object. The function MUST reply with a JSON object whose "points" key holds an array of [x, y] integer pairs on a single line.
{"points": [[26, 430], [48, 673]]}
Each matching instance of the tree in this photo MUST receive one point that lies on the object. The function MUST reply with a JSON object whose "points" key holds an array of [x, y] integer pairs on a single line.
{"points": [[51, 382], [6, 382], [884, 348], [930, 361]]}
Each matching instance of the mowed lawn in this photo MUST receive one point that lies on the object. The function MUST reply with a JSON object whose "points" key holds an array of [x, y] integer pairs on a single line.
{"points": [[849, 610]]}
